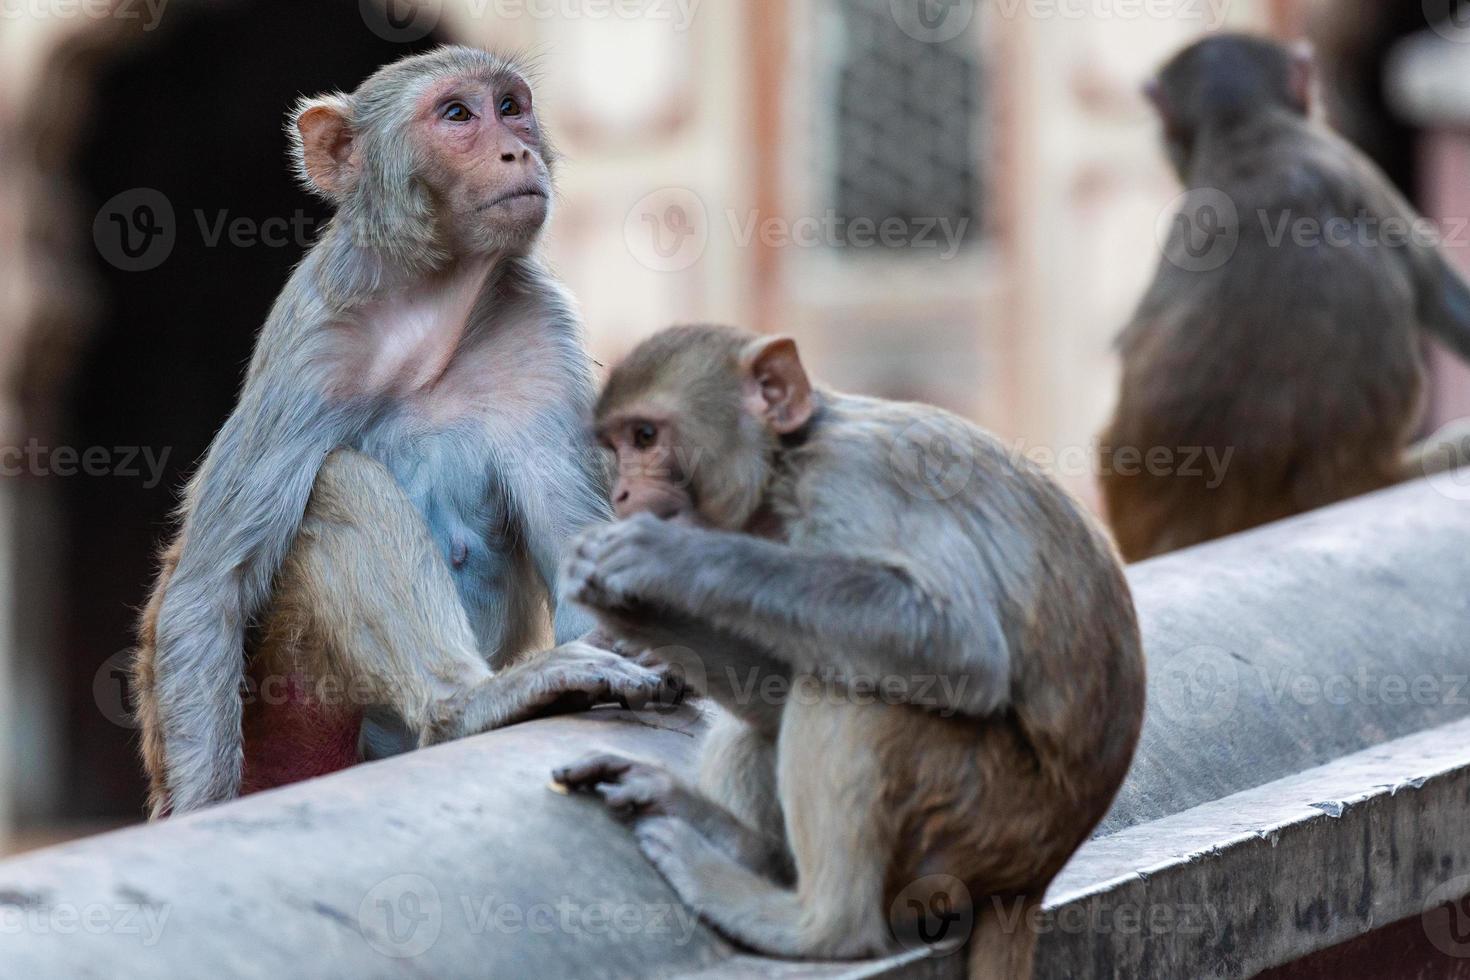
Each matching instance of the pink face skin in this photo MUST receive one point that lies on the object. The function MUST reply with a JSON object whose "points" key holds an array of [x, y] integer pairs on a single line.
{"points": [[649, 479], [484, 160]]}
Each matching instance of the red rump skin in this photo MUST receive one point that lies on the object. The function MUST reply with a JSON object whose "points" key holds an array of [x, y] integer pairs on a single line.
{"points": [[291, 736]]}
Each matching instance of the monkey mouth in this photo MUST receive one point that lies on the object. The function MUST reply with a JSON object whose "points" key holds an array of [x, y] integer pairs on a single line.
{"points": [[521, 193]]}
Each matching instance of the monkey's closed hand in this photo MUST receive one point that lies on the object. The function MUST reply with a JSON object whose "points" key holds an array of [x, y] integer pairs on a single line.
{"points": [[621, 566]]}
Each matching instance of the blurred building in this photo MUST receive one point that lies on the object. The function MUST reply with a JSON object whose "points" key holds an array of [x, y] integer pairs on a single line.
{"points": [[954, 202]]}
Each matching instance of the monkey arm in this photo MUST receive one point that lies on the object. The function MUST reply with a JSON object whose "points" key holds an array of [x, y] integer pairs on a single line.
{"points": [[559, 490], [868, 622], [242, 511], [736, 673]]}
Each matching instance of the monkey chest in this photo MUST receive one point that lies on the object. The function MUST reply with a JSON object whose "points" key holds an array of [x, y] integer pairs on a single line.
{"points": [[449, 478]]}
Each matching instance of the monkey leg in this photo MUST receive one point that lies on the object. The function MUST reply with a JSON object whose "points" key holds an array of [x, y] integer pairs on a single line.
{"points": [[839, 833], [365, 598], [737, 772]]}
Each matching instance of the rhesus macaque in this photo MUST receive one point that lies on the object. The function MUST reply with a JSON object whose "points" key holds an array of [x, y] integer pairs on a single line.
{"points": [[974, 643], [1293, 355], [380, 521]]}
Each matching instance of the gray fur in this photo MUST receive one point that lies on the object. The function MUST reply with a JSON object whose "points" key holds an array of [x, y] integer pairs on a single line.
{"points": [[514, 479], [866, 543]]}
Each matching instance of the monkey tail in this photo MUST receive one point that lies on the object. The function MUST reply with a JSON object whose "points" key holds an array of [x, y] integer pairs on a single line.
{"points": [[144, 680], [1003, 945]]}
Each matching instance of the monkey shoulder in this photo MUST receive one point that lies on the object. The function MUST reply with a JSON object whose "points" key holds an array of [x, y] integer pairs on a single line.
{"points": [[923, 473]]}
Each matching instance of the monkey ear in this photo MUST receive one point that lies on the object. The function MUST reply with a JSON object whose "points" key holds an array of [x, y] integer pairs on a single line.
{"points": [[776, 386], [1303, 75], [322, 144]]}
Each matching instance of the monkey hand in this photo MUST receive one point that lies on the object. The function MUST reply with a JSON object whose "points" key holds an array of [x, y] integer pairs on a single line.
{"points": [[573, 677], [619, 567]]}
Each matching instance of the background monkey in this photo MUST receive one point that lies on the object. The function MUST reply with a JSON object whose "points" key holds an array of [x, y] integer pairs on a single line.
{"points": [[424, 355], [1299, 354], [808, 541]]}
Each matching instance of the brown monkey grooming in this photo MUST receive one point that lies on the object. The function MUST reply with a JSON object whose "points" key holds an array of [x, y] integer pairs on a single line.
{"points": [[1293, 363], [387, 506], [973, 637]]}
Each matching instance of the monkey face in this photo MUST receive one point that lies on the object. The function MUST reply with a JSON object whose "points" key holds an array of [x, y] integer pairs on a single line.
{"points": [[696, 417], [652, 466], [484, 161]]}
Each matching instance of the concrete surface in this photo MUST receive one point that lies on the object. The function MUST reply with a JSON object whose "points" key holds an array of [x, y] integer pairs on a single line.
{"points": [[459, 862]]}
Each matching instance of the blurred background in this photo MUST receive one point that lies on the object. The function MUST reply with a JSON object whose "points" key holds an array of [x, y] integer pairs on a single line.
{"points": [[948, 200]]}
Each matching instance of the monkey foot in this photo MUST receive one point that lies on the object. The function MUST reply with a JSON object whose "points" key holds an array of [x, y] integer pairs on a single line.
{"points": [[629, 788]]}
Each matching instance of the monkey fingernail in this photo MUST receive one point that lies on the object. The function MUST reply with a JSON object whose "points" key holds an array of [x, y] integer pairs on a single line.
{"points": [[561, 789]]}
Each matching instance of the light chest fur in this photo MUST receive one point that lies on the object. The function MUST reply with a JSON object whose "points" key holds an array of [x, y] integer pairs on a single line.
{"points": [[468, 363]]}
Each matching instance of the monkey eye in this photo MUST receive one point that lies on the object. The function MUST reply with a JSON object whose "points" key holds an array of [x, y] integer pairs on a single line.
{"points": [[510, 106], [645, 434], [457, 112]]}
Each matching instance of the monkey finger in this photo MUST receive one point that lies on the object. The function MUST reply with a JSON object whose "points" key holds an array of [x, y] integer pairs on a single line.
{"points": [[624, 800], [585, 774]]}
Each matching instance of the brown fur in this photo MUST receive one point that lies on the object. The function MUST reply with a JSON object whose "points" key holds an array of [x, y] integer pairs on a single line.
{"points": [[841, 569], [1302, 362]]}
